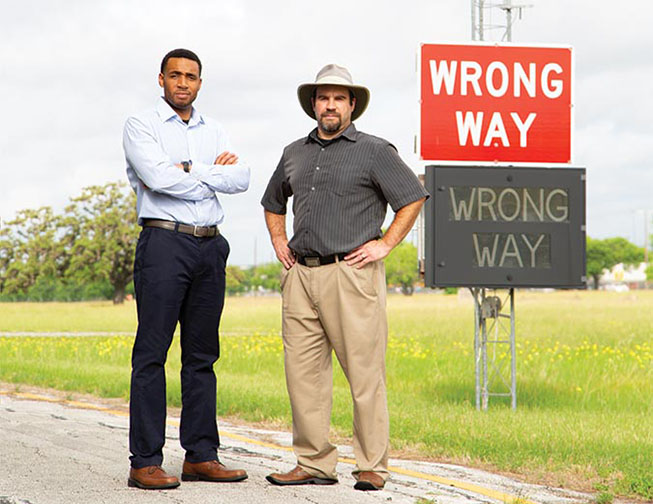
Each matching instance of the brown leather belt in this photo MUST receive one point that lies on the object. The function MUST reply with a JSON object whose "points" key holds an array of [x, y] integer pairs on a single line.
{"points": [[199, 231], [313, 261]]}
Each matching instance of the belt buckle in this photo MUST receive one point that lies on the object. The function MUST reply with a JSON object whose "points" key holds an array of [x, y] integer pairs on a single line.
{"points": [[312, 261], [196, 233]]}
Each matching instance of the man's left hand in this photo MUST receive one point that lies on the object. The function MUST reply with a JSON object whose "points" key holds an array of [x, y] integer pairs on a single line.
{"points": [[226, 158], [373, 250]]}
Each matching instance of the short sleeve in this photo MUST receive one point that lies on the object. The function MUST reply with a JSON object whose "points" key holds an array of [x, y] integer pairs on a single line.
{"points": [[399, 185], [278, 190]]}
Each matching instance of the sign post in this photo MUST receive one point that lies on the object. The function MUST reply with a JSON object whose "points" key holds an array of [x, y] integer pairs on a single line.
{"points": [[498, 121], [503, 228]]}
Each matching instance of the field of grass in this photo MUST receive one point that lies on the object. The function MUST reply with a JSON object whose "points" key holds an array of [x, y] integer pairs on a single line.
{"points": [[584, 379]]}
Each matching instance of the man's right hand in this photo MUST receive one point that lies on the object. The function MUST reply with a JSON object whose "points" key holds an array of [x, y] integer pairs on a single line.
{"points": [[284, 254], [276, 224]]}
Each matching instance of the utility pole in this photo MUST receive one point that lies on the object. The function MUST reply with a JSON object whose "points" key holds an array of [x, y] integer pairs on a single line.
{"points": [[646, 215], [646, 237], [255, 252]]}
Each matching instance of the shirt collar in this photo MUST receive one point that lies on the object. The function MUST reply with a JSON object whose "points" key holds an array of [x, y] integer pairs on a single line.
{"points": [[350, 134], [166, 113]]}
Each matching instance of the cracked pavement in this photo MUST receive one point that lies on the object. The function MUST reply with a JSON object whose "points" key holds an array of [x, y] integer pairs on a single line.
{"points": [[54, 451]]}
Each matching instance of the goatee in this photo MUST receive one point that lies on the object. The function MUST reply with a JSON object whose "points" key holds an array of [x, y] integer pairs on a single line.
{"points": [[330, 127]]}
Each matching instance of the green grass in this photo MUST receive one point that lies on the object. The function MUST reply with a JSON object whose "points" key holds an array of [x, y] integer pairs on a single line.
{"points": [[585, 379]]}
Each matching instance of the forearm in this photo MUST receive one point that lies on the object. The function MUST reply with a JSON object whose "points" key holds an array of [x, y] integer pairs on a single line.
{"points": [[375, 250], [276, 224], [402, 223], [227, 179], [153, 167], [168, 179]]}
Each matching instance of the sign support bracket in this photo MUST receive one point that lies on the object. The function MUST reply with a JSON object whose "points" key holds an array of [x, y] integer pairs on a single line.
{"points": [[494, 347]]}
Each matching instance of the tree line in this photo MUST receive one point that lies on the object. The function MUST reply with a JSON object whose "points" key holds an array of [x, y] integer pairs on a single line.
{"points": [[87, 252], [84, 252]]}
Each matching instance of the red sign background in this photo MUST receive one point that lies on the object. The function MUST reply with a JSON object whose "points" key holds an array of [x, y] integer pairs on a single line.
{"points": [[544, 137]]}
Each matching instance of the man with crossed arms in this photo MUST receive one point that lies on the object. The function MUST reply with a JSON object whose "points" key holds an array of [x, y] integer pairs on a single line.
{"points": [[177, 160]]}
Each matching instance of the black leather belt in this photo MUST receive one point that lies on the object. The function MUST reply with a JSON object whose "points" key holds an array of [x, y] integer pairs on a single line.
{"points": [[200, 231], [313, 261]]}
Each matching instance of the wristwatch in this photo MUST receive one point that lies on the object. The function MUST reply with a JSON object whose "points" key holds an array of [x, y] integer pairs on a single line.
{"points": [[186, 166]]}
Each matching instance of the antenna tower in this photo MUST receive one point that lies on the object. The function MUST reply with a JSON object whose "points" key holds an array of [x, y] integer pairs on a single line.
{"points": [[482, 19]]}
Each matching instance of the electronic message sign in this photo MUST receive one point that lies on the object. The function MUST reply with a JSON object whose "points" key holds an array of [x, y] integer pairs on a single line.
{"points": [[495, 103], [505, 227]]}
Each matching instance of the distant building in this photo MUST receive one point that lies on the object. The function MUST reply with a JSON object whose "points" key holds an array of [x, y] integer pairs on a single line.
{"points": [[624, 277]]}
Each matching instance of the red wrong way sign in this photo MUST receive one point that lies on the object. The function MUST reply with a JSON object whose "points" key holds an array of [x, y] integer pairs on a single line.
{"points": [[495, 103]]}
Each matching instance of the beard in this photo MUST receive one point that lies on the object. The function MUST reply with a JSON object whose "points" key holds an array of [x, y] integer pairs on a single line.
{"points": [[330, 127]]}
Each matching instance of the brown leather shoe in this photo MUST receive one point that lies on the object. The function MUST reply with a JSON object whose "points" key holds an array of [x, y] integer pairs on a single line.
{"points": [[211, 470], [298, 477], [368, 480], [151, 478]]}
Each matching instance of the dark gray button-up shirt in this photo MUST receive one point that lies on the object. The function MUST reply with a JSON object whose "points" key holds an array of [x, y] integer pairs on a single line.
{"points": [[341, 190]]}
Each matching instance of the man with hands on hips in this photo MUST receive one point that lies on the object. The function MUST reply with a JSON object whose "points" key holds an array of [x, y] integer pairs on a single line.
{"points": [[333, 282]]}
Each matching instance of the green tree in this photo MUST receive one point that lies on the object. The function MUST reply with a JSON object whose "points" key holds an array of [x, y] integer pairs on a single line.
{"points": [[7, 254], [104, 220], [401, 267], [649, 272], [266, 276], [604, 254], [236, 280], [29, 248]]}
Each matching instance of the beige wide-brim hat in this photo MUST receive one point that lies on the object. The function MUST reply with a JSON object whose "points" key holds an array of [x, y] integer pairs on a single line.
{"points": [[337, 76]]}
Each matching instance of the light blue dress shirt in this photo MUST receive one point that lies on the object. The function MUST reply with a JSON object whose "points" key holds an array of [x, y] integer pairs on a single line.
{"points": [[156, 140]]}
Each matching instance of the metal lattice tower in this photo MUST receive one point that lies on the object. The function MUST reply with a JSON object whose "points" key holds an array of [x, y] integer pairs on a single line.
{"points": [[482, 18], [494, 330], [494, 347]]}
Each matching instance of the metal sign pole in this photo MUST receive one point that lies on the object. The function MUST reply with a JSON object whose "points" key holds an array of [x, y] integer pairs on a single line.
{"points": [[485, 388], [489, 369], [513, 353], [476, 292]]}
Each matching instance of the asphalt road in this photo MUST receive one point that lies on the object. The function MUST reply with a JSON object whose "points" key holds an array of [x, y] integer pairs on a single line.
{"points": [[58, 451]]}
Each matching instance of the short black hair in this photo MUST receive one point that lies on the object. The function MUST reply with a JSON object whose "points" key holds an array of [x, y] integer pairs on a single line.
{"points": [[180, 53]]}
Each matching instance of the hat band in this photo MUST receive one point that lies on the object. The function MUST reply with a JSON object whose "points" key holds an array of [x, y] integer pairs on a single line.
{"points": [[333, 79]]}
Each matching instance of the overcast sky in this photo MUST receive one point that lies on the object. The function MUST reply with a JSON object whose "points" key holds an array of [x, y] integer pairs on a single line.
{"points": [[72, 71]]}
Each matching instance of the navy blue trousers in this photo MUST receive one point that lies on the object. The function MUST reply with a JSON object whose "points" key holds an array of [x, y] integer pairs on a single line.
{"points": [[177, 278]]}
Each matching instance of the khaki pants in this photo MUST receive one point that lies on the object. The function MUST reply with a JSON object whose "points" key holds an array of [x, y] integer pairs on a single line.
{"points": [[341, 308]]}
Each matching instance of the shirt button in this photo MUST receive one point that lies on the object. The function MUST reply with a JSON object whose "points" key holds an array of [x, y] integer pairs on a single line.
{"points": [[312, 188], [317, 167], [322, 149]]}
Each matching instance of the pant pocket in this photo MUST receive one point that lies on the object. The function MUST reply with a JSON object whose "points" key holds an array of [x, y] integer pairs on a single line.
{"points": [[284, 276], [364, 278]]}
